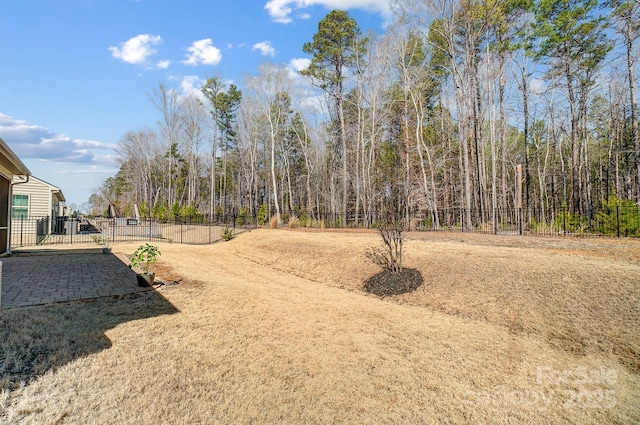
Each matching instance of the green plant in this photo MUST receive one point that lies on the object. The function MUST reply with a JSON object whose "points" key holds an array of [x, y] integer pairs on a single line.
{"points": [[189, 212], [143, 209], [144, 256], [567, 221], [303, 217], [128, 210], [241, 219], [618, 215], [160, 211], [102, 240], [262, 215], [175, 211], [227, 233], [218, 212]]}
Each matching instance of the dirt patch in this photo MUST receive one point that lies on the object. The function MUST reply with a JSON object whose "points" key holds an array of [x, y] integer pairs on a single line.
{"points": [[166, 277], [387, 283]]}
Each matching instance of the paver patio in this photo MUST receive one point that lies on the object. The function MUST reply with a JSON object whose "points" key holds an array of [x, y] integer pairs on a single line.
{"points": [[50, 277]]}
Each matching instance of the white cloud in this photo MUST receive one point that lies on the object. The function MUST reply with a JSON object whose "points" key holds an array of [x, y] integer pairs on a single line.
{"points": [[137, 49], [35, 142], [296, 65], [265, 48], [300, 64], [163, 64], [203, 52], [190, 85], [538, 86], [77, 166], [280, 10]]}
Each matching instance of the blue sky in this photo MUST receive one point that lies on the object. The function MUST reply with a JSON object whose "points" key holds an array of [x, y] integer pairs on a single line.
{"points": [[76, 74]]}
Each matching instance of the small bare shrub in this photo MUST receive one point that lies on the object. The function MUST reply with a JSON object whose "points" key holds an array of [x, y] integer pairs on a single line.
{"points": [[312, 223], [273, 223], [486, 227], [293, 222], [392, 231]]}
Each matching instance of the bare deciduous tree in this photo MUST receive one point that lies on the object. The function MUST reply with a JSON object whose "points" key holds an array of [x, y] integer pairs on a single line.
{"points": [[391, 228]]}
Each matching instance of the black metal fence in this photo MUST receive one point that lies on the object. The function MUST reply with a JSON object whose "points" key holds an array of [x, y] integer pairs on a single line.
{"points": [[614, 221], [40, 231]]}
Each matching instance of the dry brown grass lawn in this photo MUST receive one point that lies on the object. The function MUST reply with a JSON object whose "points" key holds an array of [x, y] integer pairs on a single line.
{"points": [[273, 327]]}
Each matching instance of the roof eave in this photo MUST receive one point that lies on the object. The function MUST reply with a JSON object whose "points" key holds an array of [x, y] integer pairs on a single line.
{"points": [[15, 166]]}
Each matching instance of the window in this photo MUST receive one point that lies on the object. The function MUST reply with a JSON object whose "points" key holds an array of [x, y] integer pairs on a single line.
{"points": [[20, 206]]}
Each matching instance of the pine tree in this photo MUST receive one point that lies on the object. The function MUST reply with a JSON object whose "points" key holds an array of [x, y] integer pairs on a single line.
{"points": [[336, 47]]}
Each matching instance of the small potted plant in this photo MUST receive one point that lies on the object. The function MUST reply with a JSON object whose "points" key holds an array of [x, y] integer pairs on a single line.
{"points": [[142, 258], [104, 241]]}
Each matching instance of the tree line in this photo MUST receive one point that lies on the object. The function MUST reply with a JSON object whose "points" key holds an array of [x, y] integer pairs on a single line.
{"points": [[484, 107]]}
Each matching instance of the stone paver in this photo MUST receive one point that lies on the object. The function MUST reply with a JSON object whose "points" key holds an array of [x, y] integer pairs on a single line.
{"points": [[58, 277]]}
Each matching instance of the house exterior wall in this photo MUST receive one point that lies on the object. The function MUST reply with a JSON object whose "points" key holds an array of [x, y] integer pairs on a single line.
{"points": [[40, 198], [10, 168], [40, 214]]}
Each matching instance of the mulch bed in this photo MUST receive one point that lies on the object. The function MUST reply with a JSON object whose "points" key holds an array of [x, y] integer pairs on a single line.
{"points": [[386, 283]]}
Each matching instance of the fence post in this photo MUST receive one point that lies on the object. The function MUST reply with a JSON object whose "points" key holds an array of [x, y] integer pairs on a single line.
{"points": [[618, 219]]}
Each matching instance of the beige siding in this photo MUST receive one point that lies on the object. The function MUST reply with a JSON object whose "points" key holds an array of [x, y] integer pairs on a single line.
{"points": [[39, 197]]}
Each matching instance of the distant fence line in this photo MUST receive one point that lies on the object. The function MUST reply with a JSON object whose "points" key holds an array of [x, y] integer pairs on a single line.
{"points": [[37, 231], [615, 221]]}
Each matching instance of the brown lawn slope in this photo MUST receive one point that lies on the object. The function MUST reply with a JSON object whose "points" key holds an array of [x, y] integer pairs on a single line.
{"points": [[273, 327], [578, 294]]}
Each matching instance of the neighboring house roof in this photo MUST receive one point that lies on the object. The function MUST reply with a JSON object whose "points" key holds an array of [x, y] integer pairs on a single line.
{"points": [[10, 164], [55, 190]]}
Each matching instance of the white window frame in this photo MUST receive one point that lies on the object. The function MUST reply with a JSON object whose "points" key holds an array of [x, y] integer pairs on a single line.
{"points": [[14, 216]]}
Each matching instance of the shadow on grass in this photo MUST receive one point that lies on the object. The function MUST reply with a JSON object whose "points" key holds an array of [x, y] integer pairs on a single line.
{"points": [[38, 339], [386, 283]]}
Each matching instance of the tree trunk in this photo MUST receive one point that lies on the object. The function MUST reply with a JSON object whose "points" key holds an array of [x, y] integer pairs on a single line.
{"points": [[343, 139], [634, 105], [525, 113], [575, 147]]}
